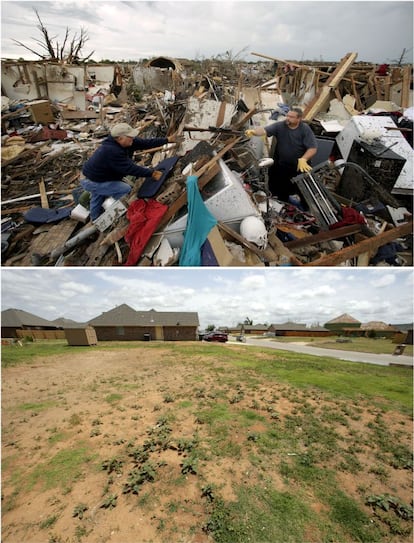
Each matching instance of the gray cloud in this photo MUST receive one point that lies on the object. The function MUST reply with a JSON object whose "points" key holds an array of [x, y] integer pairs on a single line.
{"points": [[220, 296], [290, 30]]}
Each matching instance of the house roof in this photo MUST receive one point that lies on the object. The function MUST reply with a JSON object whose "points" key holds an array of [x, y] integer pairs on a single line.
{"points": [[15, 318], [124, 315], [289, 326], [343, 319], [376, 325], [61, 322]]}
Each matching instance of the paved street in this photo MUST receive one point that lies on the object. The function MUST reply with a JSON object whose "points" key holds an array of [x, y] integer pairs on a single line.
{"points": [[369, 358]]}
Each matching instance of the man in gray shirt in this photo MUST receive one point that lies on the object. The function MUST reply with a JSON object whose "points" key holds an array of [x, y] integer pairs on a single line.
{"points": [[295, 146]]}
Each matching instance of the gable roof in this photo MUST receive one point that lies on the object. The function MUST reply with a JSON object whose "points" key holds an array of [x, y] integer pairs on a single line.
{"points": [[124, 315], [15, 318], [61, 322], [344, 318]]}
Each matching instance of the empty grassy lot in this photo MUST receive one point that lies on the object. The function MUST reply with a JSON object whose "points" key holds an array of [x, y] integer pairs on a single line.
{"points": [[193, 442]]}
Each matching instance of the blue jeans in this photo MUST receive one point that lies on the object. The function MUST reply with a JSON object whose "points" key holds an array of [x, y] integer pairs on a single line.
{"points": [[101, 191]]}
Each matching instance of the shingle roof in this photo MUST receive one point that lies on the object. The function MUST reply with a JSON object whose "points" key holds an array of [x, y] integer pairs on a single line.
{"points": [[289, 326], [344, 318], [376, 325], [15, 318], [124, 315]]}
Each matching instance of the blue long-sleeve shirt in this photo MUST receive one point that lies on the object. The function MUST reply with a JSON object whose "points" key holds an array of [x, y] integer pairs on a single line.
{"points": [[112, 162]]}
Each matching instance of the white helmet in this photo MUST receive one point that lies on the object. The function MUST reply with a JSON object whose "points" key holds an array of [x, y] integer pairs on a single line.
{"points": [[253, 229]]}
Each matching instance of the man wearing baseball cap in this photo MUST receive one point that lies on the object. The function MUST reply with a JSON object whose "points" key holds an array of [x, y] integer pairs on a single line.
{"points": [[112, 161]]}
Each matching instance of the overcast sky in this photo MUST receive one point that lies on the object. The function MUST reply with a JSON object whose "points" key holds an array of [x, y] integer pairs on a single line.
{"points": [[291, 30], [219, 296]]}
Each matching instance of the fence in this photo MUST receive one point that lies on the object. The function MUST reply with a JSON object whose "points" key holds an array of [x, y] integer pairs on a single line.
{"points": [[41, 334]]}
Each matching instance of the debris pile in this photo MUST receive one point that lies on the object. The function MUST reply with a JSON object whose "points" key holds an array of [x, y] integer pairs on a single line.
{"points": [[356, 202]]}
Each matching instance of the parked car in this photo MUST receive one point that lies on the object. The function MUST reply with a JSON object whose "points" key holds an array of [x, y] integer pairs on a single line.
{"points": [[216, 336]]}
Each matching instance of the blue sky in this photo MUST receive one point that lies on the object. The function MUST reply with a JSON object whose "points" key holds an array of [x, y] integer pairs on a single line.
{"points": [[294, 30], [221, 296]]}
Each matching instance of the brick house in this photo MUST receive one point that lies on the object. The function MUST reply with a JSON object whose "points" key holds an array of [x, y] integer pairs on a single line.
{"points": [[125, 324]]}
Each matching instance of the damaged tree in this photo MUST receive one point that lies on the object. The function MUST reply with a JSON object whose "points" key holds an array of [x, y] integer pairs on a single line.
{"points": [[69, 51]]}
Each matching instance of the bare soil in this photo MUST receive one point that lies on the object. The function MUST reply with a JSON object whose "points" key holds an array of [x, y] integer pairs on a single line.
{"points": [[101, 402]]}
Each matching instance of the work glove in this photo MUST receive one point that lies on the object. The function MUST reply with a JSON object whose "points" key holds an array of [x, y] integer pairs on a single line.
{"points": [[249, 133], [303, 165], [156, 175]]}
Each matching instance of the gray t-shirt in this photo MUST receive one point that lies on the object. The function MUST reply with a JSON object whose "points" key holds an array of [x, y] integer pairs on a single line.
{"points": [[291, 144]]}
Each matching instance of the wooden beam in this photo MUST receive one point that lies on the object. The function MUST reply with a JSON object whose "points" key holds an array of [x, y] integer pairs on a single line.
{"points": [[229, 231], [303, 66], [44, 202], [405, 89], [328, 235], [370, 244], [321, 98]]}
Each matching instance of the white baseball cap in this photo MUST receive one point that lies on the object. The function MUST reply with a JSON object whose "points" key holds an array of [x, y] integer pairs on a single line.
{"points": [[123, 129]]}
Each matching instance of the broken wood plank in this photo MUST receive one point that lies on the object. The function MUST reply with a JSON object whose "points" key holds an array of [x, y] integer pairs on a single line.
{"points": [[328, 235], [281, 250], [204, 178], [44, 202], [21, 209], [322, 96], [46, 242], [406, 85], [370, 244], [232, 233], [67, 114]]}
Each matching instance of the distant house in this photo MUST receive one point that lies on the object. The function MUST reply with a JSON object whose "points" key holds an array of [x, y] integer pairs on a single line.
{"points": [[297, 329], [17, 323], [248, 329], [342, 323], [378, 328], [125, 324]]}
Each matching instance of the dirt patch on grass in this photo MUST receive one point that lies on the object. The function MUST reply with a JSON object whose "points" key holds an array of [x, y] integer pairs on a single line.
{"points": [[134, 446]]}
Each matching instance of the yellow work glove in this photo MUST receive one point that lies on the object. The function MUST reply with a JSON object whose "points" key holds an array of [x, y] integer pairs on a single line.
{"points": [[249, 133], [303, 165]]}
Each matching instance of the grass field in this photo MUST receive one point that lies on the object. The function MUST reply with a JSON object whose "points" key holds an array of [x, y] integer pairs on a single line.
{"points": [[190, 442], [361, 344]]}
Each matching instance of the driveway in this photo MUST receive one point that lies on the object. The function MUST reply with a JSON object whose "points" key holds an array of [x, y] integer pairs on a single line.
{"points": [[369, 358]]}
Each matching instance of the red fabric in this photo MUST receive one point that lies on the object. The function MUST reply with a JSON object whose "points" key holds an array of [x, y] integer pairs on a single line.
{"points": [[144, 216], [349, 216]]}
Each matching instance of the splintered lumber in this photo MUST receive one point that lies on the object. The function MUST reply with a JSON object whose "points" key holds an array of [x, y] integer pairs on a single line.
{"points": [[43, 196], [367, 245], [405, 89], [204, 174], [46, 242], [229, 231], [301, 66], [322, 96], [327, 235], [281, 250]]}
